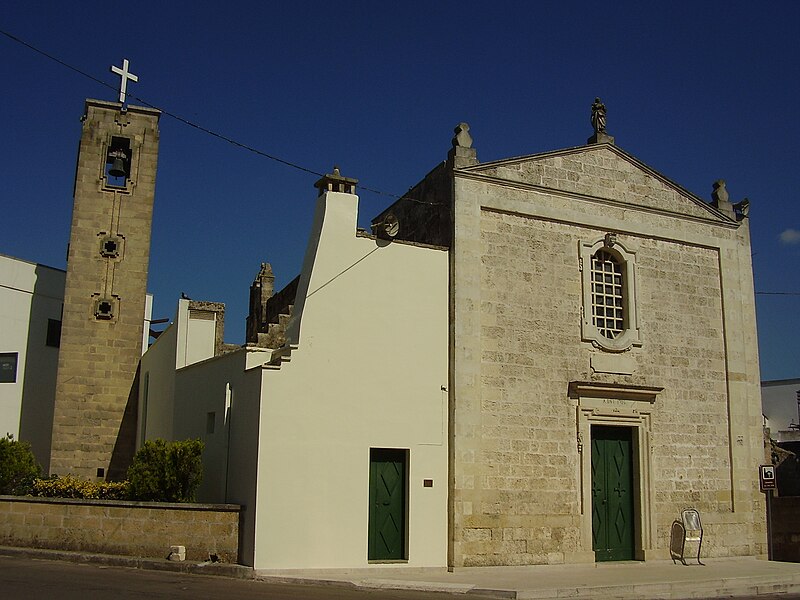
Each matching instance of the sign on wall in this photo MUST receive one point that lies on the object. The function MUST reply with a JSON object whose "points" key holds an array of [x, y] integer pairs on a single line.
{"points": [[766, 477]]}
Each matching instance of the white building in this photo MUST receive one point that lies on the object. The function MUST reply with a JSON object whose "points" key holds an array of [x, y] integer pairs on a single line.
{"points": [[781, 404], [31, 301], [336, 443]]}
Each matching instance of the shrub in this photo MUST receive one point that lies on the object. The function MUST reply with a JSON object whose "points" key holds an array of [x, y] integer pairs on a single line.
{"points": [[114, 490], [18, 467], [73, 487], [166, 471]]}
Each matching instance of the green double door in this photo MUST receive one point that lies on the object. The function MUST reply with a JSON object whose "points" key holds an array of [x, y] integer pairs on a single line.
{"points": [[387, 504], [612, 493]]}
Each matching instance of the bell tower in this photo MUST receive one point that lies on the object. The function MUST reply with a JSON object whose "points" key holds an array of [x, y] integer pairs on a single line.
{"points": [[104, 300]]}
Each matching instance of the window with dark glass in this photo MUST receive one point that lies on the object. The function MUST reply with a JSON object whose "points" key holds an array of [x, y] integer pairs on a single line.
{"points": [[8, 367], [53, 333]]}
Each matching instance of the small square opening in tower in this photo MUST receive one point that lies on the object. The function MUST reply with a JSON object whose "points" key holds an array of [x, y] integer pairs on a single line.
{"points": [[118, 162], [104, 309], [110, 247]]}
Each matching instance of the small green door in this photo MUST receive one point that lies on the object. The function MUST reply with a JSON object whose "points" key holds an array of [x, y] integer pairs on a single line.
{"points": [[612, 493], [387, 504]]}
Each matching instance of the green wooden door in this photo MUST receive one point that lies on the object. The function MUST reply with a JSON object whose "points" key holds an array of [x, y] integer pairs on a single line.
{"points": [[387, 504], [612, 493]]}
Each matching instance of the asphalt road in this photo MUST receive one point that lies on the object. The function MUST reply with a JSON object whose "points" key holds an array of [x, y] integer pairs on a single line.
{"points": [[34, 579]]}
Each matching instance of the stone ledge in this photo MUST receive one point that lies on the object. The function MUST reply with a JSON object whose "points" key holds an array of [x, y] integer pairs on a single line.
{"points": [[126, 503]]}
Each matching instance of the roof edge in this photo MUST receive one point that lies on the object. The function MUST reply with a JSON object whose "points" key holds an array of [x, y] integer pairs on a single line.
{"points": [[619, 151]]}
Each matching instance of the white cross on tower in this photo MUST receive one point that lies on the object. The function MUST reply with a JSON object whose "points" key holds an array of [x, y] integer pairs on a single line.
{"points": [[125, 75]]}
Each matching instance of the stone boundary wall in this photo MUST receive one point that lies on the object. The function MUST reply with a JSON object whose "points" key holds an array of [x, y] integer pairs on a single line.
{"points": [[137, 529], [786, 529]]}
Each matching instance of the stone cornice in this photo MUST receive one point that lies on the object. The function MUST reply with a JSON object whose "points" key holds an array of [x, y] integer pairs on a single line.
{"points": [[617, 391], [476, 169], [722, 222], [117, 106]]}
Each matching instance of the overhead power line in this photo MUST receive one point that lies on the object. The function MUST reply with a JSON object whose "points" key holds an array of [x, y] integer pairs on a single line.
{"points": [[184, 120], [237, 143]]}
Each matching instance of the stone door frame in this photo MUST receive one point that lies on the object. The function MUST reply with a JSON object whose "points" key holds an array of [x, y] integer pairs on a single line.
{"points": [[620, 406]]}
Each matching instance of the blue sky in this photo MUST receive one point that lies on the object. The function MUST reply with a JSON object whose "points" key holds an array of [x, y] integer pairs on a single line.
{"points": [[697, 90]]}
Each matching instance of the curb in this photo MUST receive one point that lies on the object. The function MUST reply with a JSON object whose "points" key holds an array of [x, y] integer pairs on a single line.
{"points": [[459, 589], [152, 564], [722, 587]]}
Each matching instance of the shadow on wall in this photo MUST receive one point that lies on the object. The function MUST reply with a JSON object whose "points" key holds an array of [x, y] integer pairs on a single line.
{"points": [[125, 446], [41, 365]]}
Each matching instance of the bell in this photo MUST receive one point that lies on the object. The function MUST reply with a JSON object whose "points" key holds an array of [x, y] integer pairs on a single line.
{"points": [[117, 168]]}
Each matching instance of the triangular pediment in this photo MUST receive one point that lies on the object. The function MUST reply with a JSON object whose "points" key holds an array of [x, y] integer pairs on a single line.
{"points": [[599, 171]]}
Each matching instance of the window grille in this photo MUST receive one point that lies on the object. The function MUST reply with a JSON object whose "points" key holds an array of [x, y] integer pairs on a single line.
{"points": [[608, 311], [608, 307]]}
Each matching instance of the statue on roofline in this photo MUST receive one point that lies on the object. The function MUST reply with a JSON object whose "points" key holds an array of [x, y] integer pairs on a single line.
{"points": [[598, 116]]}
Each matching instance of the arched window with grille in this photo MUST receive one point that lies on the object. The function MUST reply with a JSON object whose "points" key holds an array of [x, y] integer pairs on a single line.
{"points": [[608, 311], [609, 294]]}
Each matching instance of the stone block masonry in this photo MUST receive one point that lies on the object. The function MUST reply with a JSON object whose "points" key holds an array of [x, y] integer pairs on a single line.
{"points": [[137, 529], [522, 432], [94, 411]]}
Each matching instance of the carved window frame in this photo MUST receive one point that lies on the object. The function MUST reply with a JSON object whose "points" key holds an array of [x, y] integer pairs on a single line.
{"points": [[627, 259]]}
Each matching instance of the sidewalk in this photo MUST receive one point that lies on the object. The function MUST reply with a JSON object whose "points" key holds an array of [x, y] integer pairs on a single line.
{"points": [[607, 581], [651, 580]]}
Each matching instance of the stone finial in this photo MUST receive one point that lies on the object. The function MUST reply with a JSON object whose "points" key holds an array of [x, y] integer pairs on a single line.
{"points": [[462, 138], [598, 120], [334, 182], [720, 199], [260, 292], [719, 193], [264, 276], [462, 154]]}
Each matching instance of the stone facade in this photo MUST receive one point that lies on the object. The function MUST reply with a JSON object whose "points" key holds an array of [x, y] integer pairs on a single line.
{"points": [[101, 341], [531, 386], [139, 529]]}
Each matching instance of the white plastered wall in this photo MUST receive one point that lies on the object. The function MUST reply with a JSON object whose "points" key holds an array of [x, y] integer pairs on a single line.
{"points": [[186, 341], [30, 294], [156, 387], [224, 388], [780, 405], [368, 370]]}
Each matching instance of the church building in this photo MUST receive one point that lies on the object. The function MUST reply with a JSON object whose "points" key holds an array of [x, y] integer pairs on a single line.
{"points": [[603, 358], [534, 360], [540, 359]]}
